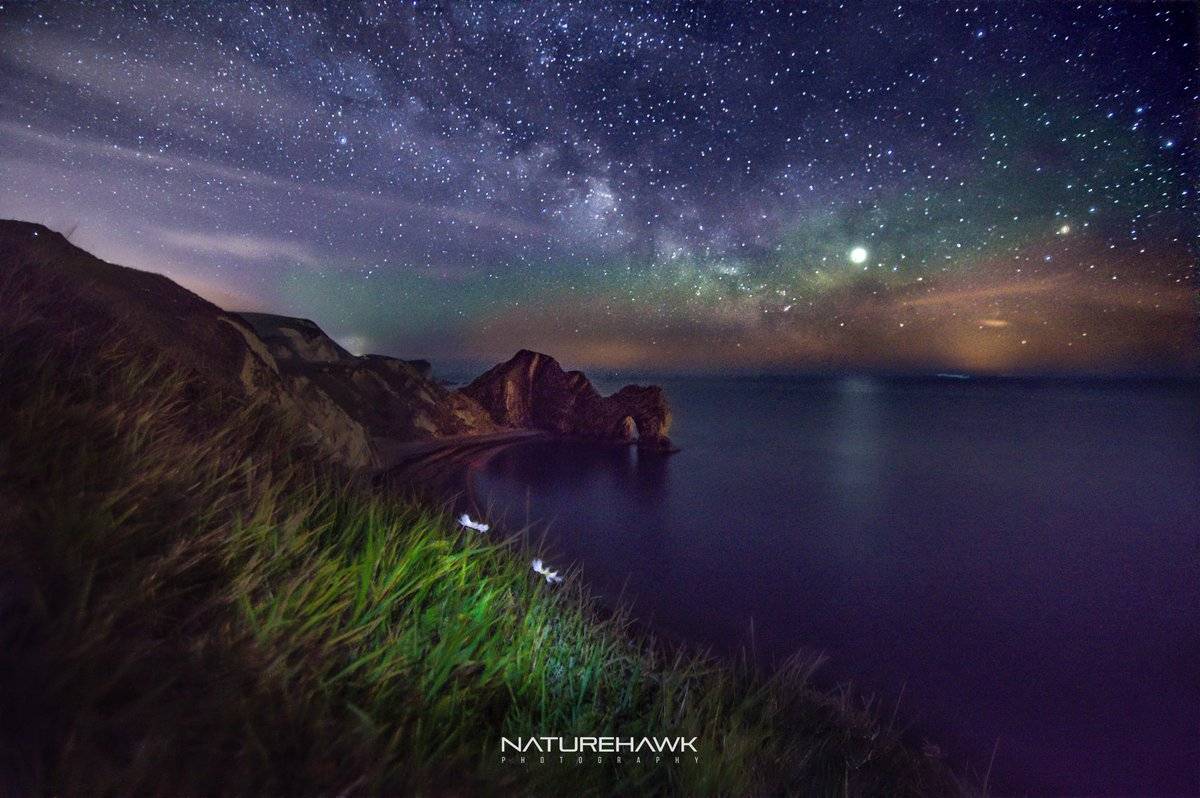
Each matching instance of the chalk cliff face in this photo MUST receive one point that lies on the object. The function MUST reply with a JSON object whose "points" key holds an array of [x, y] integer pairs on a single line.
{"points": [[532, 390], [396, 400], [359, 411], [80, 304], [352, 409]]}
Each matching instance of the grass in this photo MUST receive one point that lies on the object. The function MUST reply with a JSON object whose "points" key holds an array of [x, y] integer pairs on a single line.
{"points": [[194, 605]]}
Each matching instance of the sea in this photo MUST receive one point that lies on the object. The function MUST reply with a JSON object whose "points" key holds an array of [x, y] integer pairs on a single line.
{"points": [[1010, 566]]}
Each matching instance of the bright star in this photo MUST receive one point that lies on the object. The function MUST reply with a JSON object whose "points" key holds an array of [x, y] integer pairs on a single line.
{"points": [[858, 255]]}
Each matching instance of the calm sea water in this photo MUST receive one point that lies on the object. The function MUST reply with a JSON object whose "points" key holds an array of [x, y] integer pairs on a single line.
{"points": [[1020, 561]]}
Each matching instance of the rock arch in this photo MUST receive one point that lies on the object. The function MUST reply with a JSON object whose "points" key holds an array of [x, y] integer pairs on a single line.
{"points": [[646, 406], [532, 390]]}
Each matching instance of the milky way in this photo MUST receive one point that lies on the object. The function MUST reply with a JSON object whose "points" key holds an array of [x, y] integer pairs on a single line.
{"points": [[991, 188]]}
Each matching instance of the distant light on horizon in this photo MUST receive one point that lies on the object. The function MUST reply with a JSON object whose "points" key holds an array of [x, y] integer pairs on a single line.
{"points": [[786, 212], [356, 345]]}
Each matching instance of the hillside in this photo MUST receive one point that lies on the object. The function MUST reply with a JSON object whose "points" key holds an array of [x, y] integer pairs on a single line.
{"points": [[396, 401], [359, 411], [197, 600]]}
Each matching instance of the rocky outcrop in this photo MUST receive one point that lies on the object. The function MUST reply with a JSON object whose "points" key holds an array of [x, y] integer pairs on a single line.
{"points": [[359, 411], [422, 367], [531, 390], [78, 299], [395, 400], [292, 340], [353, 410]]}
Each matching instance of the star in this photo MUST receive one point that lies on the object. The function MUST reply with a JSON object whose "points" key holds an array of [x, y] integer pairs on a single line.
{"points": [[443, 181]]}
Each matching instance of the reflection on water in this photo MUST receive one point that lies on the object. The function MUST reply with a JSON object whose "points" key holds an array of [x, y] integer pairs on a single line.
{"points": [[1022, 558], [547, 476], [857, 443], [573, 466]]}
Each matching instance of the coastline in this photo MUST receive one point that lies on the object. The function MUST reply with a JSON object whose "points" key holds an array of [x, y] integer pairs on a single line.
{"points": [[440, 469], [230, 585]]}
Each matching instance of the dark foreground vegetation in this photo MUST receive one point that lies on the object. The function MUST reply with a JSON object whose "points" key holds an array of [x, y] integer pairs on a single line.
{"points": [[192, 603]]}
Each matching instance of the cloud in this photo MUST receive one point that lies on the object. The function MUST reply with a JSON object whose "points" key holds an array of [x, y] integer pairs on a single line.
{"points": [[482, 220], [244, 246], [213, 99], [992, 291], [108, 150], [236, 90]]}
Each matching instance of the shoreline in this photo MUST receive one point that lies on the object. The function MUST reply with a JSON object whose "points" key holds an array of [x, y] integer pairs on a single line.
{"points": [[440, 469], [443, 473]]}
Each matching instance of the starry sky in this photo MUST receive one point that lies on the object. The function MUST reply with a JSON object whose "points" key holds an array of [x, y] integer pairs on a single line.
{"points": [[992, 188]]}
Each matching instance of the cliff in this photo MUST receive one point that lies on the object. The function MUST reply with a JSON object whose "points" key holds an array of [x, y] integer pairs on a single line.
{"points": [[352, 410], [356, 410], [532, 390], [396, 401], [188, 595]]}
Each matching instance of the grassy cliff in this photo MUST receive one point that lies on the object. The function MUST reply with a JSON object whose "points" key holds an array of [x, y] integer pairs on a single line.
{"points": [[194, 604]]}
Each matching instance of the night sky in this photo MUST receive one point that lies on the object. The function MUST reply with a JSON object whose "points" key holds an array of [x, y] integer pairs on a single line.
{"points": [[673, 186]]}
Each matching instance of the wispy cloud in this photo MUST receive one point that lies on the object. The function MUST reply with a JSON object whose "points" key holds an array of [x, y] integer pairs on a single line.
{"points": [[993, 291], [481, 220], [243, 246], [236, 91], [156, 160]]}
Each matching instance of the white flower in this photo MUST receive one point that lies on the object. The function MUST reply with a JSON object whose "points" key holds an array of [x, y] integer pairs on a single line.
{"points": [[478, 526], [551, 576]]}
